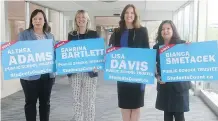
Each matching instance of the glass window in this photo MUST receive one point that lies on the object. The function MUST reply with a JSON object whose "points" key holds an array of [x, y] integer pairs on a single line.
{"points": [[180, 23], [187, 23], [15, 18], [202, 20], [212, 34], [175, 20], [54, 22], [69, 26], [212, 28], [152, 27], [194, 21]]}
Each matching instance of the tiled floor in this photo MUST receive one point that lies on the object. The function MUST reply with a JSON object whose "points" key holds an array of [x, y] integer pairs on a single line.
{"points": [[106, 105]]}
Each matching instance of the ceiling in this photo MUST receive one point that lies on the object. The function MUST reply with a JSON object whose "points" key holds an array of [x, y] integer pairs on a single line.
{"points": [[104, 11], [98, 5], [99, 8]]}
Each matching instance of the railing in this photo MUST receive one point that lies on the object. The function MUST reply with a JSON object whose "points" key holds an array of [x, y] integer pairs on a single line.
{"points": [[211, 86]]}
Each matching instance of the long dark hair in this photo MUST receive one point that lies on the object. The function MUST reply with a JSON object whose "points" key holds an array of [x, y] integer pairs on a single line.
{"points": [[46, 27], [175, 36], [122, 23]]}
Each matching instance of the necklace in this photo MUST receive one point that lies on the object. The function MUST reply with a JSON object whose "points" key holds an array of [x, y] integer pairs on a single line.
{"points": [[39, 36]]}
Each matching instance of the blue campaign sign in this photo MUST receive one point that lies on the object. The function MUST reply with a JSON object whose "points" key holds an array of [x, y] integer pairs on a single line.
{"points": [[79, 56], [134, 65], [190, 62], [27, 58], [2, 43]]}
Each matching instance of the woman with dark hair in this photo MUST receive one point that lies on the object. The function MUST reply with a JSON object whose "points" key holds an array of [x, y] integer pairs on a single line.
{"points": [[37, 86], [172, 97], [130, 34]]}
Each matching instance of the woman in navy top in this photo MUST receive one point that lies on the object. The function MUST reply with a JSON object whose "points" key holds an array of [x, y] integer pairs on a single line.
{"points": [[130, 34]]}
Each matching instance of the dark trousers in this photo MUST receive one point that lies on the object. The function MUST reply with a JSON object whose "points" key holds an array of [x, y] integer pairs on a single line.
{"points": [[33, 90], [179, 116]]}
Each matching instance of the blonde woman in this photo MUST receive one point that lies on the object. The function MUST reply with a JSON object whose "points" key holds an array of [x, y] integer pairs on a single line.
{"points": [[83, 84]]}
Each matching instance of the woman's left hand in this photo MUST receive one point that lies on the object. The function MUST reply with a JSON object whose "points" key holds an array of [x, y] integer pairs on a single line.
{"points": [[95, 70]]}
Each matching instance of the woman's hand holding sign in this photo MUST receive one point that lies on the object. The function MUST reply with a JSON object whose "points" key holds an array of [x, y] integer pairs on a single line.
{"points": [[159, 80], [95, 70]]}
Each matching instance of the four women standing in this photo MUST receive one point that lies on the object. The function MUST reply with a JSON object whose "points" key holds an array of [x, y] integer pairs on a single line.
{"points": [[172, 98]]}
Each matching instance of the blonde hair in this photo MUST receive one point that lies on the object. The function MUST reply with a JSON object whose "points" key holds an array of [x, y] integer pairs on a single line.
{"points": [[88, 25]]}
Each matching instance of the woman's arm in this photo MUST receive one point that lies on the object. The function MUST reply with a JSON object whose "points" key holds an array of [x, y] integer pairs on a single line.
{"points": [[145, 38], [157, 72], [96, 34], [69, 36], [21, 37], [112, 39], [93, 73]]}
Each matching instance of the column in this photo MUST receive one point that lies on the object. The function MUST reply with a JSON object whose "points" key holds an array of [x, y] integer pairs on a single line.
{"points": [[3, 32], [61, 17], [27, 13], [47, 13]]}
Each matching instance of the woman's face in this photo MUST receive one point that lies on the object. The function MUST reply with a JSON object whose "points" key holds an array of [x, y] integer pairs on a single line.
{"points": [[129, 15], [81, 20], [167, 31], [38, 21]]}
